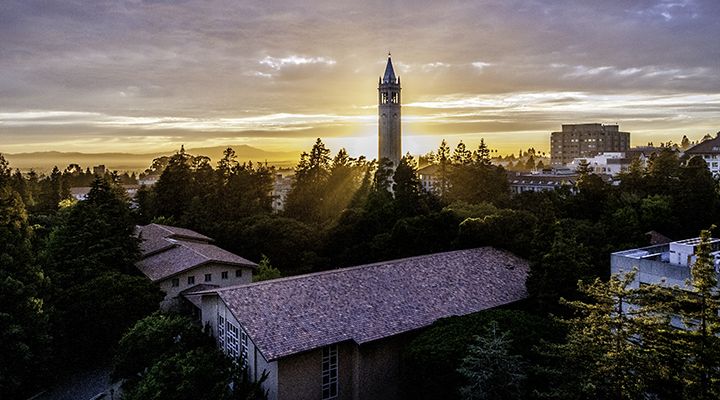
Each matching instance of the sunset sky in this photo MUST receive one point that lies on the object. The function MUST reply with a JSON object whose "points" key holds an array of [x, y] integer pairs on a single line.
{"points": [[142, 76]]}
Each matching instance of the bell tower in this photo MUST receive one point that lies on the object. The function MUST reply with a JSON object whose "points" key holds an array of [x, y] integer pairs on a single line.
{"points": [[389, 128]]}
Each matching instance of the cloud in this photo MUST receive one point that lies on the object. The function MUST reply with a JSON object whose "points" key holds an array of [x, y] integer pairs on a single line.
{"points": [[279, 63], [133, 68]]}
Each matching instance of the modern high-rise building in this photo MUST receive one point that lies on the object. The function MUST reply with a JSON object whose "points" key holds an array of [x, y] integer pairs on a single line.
{"points": [[586, 140], [389, 127]]}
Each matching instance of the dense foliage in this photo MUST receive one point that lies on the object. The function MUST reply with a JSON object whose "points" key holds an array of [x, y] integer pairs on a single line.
{"points": [[68, 283], [169, 357]]}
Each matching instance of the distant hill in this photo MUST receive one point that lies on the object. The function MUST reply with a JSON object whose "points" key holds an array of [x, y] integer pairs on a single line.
{"points": [[46, 160]]}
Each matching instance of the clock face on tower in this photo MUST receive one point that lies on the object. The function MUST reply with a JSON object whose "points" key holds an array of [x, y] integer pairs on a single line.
{"points": [[389, 128]]}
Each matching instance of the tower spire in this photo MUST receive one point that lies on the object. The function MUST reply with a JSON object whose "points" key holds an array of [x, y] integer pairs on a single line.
{"points": [[389, 75]]}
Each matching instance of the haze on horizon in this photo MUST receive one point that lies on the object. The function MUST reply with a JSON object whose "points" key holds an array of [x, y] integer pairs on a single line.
{"points": [[143, 76]]}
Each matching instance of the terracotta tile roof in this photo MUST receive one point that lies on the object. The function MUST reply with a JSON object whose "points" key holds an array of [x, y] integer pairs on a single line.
{"points": [[167, 251], [291, 315]]}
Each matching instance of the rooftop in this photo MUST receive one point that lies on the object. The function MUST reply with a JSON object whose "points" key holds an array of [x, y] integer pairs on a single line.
{"points": [[168, 250], [710, 146], [680, 252], [369, 302]]}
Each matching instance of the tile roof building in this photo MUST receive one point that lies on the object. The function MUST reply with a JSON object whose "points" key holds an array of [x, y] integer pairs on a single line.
{"points": [[181, 261], [338, 333], [709, 150]]}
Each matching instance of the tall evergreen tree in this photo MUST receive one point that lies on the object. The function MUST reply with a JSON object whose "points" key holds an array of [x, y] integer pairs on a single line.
{"points": [[699, 341], [23, 315], [311, 174], [490, 370]]}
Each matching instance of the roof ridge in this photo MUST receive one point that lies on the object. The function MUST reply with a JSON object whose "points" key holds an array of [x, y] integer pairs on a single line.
{"points": [[345, 269], [182, 243], [163, 227]]}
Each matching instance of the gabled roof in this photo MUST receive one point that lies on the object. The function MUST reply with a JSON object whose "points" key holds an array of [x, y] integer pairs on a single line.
{"points": [[168, 250], [710, 146], [369, 302], [156, 231], [389, 75], [431, 169]]}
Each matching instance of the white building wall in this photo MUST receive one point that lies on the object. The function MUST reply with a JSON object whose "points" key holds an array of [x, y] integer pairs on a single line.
{"points": [[212, 308]]}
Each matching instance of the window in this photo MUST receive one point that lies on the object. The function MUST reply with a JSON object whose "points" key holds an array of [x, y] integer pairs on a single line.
{"points": [[231, 340], [329, 372], [175, 282], [224, 275], [208, 277], [191, 280], [243, 348], [221, 331], [238, 273]]}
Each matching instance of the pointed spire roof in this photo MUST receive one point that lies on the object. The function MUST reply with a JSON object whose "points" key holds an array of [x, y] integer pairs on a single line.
{"points": [[389, 76]]}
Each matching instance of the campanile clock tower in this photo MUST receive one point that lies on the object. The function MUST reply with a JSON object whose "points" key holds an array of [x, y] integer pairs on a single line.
{"points": [[389, 127]]}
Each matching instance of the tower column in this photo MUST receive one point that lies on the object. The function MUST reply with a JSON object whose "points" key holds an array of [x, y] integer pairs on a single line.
{"points": [[389, 116]]}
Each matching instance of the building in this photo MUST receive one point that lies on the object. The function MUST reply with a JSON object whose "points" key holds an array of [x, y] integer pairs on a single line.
{"points": [[338, 334], [609, 163], [666, 264], [428, 176], [389, 126], [181, 261], [281, 188], [709, 150], [521, 182], [586, 140]]}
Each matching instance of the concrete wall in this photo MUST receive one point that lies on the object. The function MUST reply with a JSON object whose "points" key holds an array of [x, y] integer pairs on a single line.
{"points": [[171, 293], [650, 271]]}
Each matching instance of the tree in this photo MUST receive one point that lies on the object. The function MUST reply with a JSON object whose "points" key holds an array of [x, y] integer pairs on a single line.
{"points": [[97, 291], [346, 175], [97, 234], [431, 358], [685, 142], [611, 350], [556, 273], [462, 155], [153, 338], [407, 188], [266, 271], [307, 194], [489, 368], [481, 156], [698, 309], [179, 377], [23, 316], [169, 357], [176, 187], [52, 191], [444, 170], [530, 163]]}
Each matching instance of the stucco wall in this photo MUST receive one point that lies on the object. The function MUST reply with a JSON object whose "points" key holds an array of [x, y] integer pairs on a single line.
{"points": [[171, 293]]}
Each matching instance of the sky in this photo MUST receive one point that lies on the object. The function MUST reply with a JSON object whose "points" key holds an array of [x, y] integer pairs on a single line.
{"points": [[142, 76]]}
